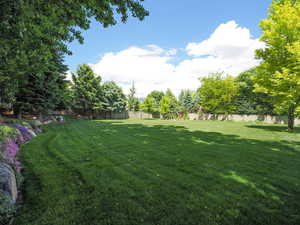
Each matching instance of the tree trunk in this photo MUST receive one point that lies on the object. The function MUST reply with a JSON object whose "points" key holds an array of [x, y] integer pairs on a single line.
{"points": [[20, 114], [291, 117], [41, 116]]}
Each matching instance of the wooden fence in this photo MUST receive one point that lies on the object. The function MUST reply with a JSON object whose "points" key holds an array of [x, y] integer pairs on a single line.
{"points": [[236, 117], [195, 116]]}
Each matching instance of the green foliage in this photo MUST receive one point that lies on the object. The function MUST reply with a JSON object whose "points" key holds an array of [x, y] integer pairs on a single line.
{"points": [[248, 101], [7, 209], [188, 101], [133, 103], [149, 105], [113, 97], [165, 106], [42, 91], [35, 36], [156, 96], [6, 131], [218, 93], [169, 106], [20, 123], [279, 74], [87, 90]]}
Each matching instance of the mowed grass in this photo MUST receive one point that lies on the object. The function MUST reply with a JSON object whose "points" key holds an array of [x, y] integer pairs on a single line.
{"points": [[157, 172]]}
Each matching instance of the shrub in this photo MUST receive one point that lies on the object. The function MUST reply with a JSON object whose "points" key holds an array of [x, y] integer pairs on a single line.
{"points": [[6, 131], [7, 209]]}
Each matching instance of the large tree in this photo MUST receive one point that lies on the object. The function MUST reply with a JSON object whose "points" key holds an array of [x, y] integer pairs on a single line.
{"points": [[169, 106], [43, 91], [218, 93], [148, 105], [33, 31], [113, 97], [248, 101], [279, 74], [87, 91], [154, 98]]}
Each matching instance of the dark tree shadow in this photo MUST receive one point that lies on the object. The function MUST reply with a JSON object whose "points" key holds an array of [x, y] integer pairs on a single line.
{"points": [[274, 128]]}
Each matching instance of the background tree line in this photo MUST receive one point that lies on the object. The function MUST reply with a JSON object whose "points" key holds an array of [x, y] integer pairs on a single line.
{"points": [[218, 94]]}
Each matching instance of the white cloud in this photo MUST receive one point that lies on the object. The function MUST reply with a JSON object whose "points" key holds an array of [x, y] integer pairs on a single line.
{"points": [[230, 49], [69, 76], [229, 41]]}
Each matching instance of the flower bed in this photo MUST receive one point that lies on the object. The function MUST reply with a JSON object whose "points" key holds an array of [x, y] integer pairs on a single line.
{"points": [[11, 137]]}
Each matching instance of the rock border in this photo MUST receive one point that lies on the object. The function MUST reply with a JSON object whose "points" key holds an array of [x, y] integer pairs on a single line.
{"points": [[10, 168]]}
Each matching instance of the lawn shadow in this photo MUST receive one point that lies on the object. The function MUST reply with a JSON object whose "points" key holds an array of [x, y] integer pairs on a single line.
{"points": [[163, 174], [274, 128], [230, 168]]}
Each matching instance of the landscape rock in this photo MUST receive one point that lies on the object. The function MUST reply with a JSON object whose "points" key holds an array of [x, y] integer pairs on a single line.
{"points": [[60, 119], [38, 130], [32, 133], [8, 183], [35, 123], [47, 122]]}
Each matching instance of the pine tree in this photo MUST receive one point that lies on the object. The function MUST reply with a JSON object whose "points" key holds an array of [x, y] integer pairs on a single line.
{"points": [[87, 91], [113, 97], [132, 100]]}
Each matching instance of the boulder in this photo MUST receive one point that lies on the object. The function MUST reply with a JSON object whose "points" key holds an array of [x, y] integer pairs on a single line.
{"points": [[8, 183], [60, 119], [48, 121], [35, 123], [32, 133], [38, 130]]}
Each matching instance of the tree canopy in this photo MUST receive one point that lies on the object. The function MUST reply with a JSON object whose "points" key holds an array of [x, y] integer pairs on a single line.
{"points": [[114, 98], [87, 92], [35, 34], [279, 73], [218, 93], [249, 101]]}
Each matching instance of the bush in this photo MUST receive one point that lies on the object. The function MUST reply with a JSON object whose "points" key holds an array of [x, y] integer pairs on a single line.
{"points": [[6, 131], [21, 123], [7, 209]]}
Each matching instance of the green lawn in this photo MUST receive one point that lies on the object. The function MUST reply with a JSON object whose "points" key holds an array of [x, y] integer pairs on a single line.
{"points": [[154, 172]]}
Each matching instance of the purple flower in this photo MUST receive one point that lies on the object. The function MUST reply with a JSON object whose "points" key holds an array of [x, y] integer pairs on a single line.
{"points": [[10, 150], [26, 135]]}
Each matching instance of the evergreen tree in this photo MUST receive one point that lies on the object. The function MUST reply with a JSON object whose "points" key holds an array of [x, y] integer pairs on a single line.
{"points": [[42, 91], [114, 98], [186, 101], [87, 91], [132, 100]]}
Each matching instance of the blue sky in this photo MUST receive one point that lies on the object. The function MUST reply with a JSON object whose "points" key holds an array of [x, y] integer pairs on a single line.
{"points": [[165, 39]]}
